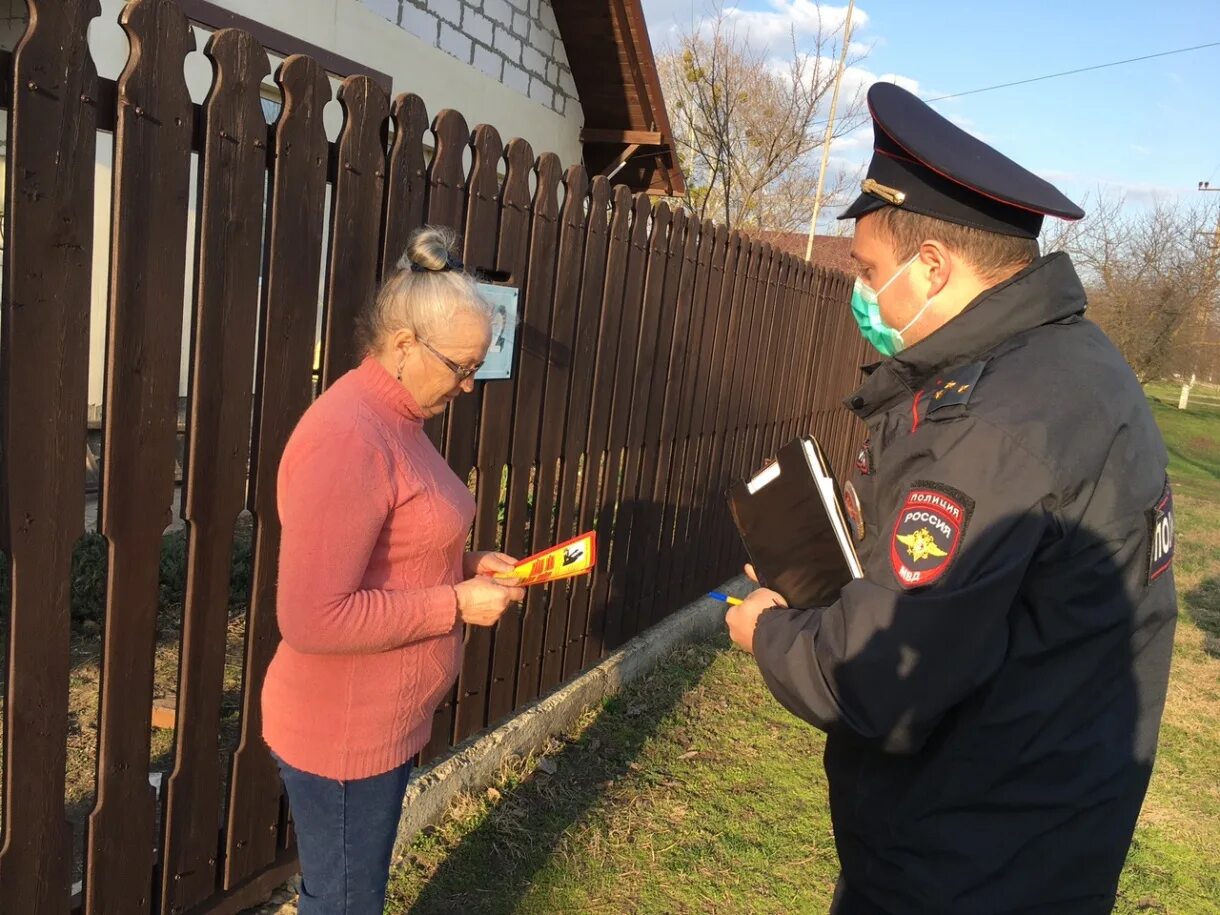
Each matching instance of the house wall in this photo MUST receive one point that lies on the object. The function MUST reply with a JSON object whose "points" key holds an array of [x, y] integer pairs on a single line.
{"points": [[514, 42]]}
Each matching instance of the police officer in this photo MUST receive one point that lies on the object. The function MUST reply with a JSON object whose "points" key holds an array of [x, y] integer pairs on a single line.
{"points": [[993, 686]]}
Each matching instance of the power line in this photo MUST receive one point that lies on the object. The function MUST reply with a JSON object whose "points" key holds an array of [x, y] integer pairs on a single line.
{"points": [[1036, 79]]}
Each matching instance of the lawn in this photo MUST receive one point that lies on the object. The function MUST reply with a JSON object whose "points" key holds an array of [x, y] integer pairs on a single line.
{"points": [[694, 792]]}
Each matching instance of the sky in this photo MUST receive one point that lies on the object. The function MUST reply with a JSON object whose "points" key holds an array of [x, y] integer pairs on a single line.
{"points": [[1146, 130]]}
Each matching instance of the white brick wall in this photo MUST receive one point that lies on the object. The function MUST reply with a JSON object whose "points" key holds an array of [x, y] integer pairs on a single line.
{"points": [[516, 78], [477, 26], [488, 62], [454, 41], [514, 41], [421, 23], [387, 9]]}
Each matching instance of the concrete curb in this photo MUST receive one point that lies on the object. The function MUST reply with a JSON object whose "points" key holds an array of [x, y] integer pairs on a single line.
{"points": [[476, 764]]}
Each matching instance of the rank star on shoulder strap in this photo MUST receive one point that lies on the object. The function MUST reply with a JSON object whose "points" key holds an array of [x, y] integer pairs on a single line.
{"points": [[952, 388]]}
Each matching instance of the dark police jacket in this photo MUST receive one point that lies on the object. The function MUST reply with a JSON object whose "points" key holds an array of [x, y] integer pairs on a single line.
{"points": [[993, 686]]}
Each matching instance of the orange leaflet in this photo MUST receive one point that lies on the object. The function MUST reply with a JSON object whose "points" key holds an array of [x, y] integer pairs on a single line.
{"points": [[570, 558]]}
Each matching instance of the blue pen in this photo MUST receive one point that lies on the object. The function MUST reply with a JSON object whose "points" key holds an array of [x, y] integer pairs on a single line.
{"points": [[731, 601]]}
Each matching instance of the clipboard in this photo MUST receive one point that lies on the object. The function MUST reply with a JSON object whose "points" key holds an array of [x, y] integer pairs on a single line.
{"points": [[790, 517]]}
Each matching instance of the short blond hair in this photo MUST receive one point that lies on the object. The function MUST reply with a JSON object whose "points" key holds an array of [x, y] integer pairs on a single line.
{"points": [[992, 255], [424, 292]]}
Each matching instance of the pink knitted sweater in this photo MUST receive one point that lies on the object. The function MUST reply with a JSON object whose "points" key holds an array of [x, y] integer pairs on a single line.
{"points": [[375, 525]]}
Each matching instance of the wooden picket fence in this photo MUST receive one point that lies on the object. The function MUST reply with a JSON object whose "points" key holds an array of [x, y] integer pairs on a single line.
{"points": [[659, 358]]}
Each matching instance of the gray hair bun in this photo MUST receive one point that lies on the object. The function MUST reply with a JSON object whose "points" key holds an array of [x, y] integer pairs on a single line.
{"points": [[430, 249]]}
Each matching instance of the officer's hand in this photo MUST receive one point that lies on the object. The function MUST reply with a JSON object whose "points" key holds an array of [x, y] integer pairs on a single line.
{"points": [[743, 618], [751, 574]]}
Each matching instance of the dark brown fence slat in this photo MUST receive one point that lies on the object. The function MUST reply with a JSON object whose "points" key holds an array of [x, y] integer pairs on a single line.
{"points": [[808, 286], [406, 186], [148, 263], [449, 189], [605, 618], [712, 252], [746, 367], [561, 409], [741, 338], [695, 566], [822, 367], [284, 390], [783, 388], [483, 188], [355, 232], [683, 353], [715, 511], [577, 464], [233, 171], [722, 264], [446, 204], [599, 419], [645, 532], [495, 429], [44, 359], [792, 360], [801, 301], [803, 362], [651, 338], [565, 248], [533, 333]]}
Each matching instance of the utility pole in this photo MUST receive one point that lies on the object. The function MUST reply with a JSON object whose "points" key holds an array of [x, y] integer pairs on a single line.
{"points": [[1205, 187], [830, 124]]}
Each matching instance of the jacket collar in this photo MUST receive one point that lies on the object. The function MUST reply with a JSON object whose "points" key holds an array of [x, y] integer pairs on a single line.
{"points": [[1048, 291]]}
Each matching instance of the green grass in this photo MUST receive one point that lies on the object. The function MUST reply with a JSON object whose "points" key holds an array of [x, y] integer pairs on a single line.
{"points": [[675, 798], [694, 792]]}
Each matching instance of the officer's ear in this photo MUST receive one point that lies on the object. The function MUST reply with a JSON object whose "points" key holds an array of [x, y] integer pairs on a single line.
{"points": [[936, 265]]}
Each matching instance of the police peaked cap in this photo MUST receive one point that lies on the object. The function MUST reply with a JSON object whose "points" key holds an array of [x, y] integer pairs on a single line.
{"points": [[927, 165]]}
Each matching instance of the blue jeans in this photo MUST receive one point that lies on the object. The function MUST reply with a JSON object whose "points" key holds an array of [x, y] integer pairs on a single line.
{"points": [[345, 835]]}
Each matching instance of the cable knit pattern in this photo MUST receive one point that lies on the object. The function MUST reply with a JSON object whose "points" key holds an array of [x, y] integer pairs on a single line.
{"points": [[374, 528]]}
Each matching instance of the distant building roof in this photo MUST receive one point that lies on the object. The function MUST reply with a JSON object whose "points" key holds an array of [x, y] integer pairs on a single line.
{"points": [[832, 251]]}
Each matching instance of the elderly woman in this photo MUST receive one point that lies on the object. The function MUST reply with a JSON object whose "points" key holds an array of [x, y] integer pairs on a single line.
{"points": [[374, 583]]}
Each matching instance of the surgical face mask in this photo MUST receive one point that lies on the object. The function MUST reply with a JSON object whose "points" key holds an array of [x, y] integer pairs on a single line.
{"points": [[864, 308]]}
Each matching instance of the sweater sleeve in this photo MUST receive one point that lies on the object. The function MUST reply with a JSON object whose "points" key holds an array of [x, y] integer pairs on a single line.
{"points": [[335, 493]]}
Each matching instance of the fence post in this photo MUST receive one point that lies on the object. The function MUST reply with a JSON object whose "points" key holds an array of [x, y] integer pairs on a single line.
{"points": [[44, 359]]}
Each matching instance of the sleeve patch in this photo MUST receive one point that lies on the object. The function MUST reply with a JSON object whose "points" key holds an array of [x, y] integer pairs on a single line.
{"points": [[928, 533], [1160, 535]]}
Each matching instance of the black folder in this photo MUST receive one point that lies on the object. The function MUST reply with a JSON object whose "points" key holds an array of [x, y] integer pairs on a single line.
{"points": [[790, 517]]}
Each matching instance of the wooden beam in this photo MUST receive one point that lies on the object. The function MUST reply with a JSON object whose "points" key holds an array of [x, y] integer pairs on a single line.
{"points": [[609, 135], [618, 11], [619, 160]]}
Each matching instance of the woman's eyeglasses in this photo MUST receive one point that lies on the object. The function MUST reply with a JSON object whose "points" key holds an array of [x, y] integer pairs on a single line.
{"points": [[461, 371]]}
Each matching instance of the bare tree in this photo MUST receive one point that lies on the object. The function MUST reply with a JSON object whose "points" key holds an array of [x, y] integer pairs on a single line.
{"points": [[1152, 276], [747, 127]]}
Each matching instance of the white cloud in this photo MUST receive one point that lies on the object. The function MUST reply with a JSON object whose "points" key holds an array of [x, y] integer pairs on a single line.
{"points": [[804, 18], [768, 30]]}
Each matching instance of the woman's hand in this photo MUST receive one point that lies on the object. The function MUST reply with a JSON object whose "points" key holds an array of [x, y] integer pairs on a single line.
{"points": [[487, 563], [481, 602]]}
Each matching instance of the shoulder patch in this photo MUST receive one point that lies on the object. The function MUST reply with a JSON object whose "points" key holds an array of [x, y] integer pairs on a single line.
{"points": [[928, 533], [953, 387], [1160, 535]]}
